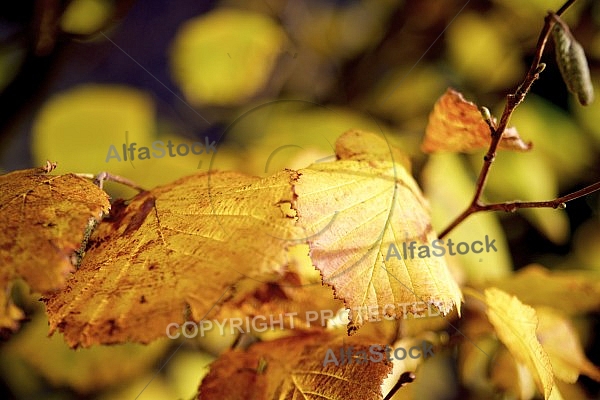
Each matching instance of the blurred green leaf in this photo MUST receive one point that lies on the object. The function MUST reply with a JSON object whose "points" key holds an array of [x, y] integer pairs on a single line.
{"points": [[527, 177], [84, 370], [449, 187], [290, 134], [561, 145], [225, 56], [480, 54], [77, 127]]}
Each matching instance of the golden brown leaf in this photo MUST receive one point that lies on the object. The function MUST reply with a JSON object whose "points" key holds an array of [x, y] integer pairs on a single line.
{"points": [[352, 211], [457, 125], [303, 306], [44, 218], [293, 368], [297, 295], [174, 250]]}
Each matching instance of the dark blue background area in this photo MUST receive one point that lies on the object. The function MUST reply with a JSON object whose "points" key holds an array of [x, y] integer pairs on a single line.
{"points": [[145, 35]]}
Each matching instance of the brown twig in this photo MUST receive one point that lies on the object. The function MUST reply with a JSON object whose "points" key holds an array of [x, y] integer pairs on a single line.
{"points": [[406, 378], [512, 102]]}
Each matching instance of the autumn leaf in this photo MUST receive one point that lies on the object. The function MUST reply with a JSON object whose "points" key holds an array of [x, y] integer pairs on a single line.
{"points": [[296, 367], [366, 146], [456, 125], [297, 295], [559, 339], [352, 212], [515, 324], [44, 218], [288, 302], [537, 286], [174, 253]]}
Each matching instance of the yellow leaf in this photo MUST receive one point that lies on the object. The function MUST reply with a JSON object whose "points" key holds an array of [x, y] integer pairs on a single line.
{"points": [[572, 391], [159, 389], [225, 56], [366, 146], [535, 8], [184, 372], [86, 129], [537, 286], [394, 95], [354, 213], [290, 295], [457, 125], [515, 324], [44, 219], [588, 117], [559, 339]]}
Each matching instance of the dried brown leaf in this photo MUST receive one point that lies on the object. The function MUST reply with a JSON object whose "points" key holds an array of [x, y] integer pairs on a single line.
{"points": [[456, 125]]}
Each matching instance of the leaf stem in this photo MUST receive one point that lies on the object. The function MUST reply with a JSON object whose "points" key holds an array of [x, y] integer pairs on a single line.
{"points": [[106, 176], [512, 102]]}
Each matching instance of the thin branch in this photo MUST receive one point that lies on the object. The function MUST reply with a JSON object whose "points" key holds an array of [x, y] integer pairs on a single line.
{"points": [[512, 206], [512, 102], [406, 378], [558, 203]]}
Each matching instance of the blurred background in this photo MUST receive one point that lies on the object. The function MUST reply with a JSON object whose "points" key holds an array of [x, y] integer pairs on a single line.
{"points": [[274, 83]]}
